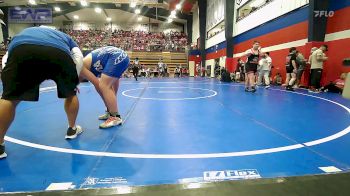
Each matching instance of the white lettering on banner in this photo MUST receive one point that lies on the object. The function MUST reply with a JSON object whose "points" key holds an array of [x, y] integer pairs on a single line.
{"points": [[97, 181], [231, 174], [324, 13], [29, 15]]}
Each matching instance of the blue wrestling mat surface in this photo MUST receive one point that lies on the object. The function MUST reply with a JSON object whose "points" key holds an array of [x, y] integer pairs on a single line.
{"points": [[176, 131]]}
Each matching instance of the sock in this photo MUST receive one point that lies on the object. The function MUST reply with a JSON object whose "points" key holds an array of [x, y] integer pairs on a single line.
{"points": [[114, 114]]}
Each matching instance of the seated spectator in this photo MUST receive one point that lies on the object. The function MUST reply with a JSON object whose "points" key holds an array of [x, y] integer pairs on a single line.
{"points": [[337, 86], [277, 80]]}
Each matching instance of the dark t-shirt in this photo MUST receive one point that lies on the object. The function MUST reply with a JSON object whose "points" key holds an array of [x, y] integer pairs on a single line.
{"points": [[291, 57]]}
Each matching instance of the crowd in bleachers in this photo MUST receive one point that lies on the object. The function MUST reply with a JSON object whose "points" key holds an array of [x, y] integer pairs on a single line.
{"points": [[130, 40]]}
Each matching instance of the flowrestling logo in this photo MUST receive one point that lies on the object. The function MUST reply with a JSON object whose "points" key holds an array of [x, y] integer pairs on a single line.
{"points": [[231, 175], [30, 15], [322, 13]]}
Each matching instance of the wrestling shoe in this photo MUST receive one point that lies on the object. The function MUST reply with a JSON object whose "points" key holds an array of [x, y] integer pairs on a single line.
{"points": [[111, 122], [104, 116], [73, 133], [2, 152]]}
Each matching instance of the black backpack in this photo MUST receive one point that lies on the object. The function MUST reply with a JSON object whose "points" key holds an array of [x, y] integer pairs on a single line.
{"points": [[225, 76]]}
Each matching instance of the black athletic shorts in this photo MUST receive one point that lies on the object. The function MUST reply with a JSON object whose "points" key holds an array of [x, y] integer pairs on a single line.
{"points": [[289, 69], [29, 65], [250, 67]]}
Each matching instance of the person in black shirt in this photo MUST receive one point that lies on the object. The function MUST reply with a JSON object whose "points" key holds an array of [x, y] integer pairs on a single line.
{"points": [[135, 71], [251, 66], [291, 68]]}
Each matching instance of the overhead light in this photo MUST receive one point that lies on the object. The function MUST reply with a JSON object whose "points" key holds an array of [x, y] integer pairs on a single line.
{"points": [[133, 4], [137, 11], [83, 3], [170, 20], [139, 18], [173, 14], [32, 2], [109, 19], [57, 9], [98, 10], [76, 17], [178, 6]]}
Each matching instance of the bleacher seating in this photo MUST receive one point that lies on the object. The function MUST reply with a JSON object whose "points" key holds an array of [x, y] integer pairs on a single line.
{"points": [[151, 59]]}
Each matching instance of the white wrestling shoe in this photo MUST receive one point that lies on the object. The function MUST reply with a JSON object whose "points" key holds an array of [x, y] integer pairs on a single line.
{"points": [[111, 122]]}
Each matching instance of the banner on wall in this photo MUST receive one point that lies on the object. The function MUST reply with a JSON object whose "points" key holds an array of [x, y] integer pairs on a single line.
{"points": [[29, 15]]}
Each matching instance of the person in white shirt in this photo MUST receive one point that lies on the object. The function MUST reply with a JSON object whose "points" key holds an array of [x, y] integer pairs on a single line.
{"points": [[265, 68], [317, 59]]}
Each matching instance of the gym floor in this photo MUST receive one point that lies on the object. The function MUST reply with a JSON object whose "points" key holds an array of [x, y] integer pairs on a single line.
{"points": [[176, 131]]}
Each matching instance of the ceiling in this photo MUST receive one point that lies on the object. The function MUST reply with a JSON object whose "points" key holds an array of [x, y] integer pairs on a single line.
{"points": [[118, 16]]}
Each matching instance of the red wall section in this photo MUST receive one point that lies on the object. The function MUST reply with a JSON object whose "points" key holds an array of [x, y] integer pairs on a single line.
{"points": [[293, 33], [215, 55], [337, 51], [340, 21]]}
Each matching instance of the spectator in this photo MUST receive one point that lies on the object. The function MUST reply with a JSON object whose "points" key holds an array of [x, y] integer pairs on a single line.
{"points": [[337, 86], [291, 69], [135, 71], [301, 62], [265, 68], [277, 80], [317, 59]]}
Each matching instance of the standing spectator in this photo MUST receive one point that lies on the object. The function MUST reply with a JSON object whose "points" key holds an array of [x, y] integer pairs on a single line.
{"points": [[265, 67], [301, 62], [242, 70], [136, 62], [307, 73], [317, 59], [165, 67], [160, 67], [148, 72], [291, 69], [135, 71], [177, 72], [181, 71]]}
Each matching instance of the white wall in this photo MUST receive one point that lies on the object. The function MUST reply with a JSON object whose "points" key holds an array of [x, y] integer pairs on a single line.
{"points": [[220, 37], [195, 26], [14, 29], [210, 62], [1, 36], [222, 61], [275, 9]]}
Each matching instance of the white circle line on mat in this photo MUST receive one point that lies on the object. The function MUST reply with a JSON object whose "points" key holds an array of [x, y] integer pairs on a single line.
{"points": [[213, 93], [193, 156]]}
